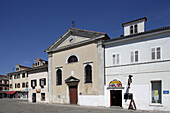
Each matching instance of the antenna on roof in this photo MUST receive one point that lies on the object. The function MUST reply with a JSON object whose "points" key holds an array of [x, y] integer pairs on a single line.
{"points": [[73, 23]]}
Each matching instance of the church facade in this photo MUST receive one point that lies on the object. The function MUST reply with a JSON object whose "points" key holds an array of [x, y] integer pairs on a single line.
{"points": [[76, 68]]}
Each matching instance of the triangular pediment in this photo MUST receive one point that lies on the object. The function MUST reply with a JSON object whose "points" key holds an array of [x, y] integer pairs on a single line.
{"points": [[72, 79], [72, 39], [74, 36]]}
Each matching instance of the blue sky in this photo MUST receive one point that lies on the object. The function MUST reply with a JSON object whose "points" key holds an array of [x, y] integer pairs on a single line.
{"points": [[28, 27]]}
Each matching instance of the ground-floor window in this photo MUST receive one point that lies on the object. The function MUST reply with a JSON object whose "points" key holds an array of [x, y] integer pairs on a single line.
{"points": [[156, 91], [42, 96], [24, 95]]}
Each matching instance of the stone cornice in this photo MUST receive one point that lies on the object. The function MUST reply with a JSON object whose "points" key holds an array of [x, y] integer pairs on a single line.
{"points": [[85, 42]]}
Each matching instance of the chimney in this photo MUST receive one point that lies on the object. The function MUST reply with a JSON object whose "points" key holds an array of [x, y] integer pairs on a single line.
{"points": [[121, 35]]}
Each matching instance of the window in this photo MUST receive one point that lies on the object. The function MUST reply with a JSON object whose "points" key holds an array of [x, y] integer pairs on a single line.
{"points": [[18, 85], [134, 56], [18, 76], [23, 85], [116, 59], [59, 77], [33, 83], [156, 92], [72, 59], [156, 53], [88, 73], [134, 29], [15, 85], [15, 76], [42, 82], [23, 75], [17, 69], [2, 81], [26, 84], [27, 74], [10, 77], [131, 29], [10, 85], [42, 96], [38, 63], [6, 82]]}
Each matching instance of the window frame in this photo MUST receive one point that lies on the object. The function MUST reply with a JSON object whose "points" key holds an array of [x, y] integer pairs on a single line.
{"points": [[40, 82], [18, 85], [116, 61], [23, 75], [133, 56], [26, 85], [42, 94], [15, 85], [33, 85], [85, 78], [161, 100], [18, 76], [10, 85], [15, 76], [57, 77], [23, 85], [133, 29], [155, 53], [10, 77], [67, 60]]}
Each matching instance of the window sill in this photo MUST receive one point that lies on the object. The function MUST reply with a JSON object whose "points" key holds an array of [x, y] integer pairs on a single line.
{"points": [[72, 63], [156, 104], [88, 82], [115, 64], [115, 87], [33, 87]]}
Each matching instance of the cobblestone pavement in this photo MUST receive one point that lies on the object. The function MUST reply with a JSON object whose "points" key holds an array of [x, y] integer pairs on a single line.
{"points": [[20, 106]]}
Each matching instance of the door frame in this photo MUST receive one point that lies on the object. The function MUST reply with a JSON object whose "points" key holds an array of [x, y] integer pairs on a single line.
{"points": [[76, 86], [34, 95], [111, 99]]}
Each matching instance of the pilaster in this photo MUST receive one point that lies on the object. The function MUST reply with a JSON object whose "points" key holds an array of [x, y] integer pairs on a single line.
{"points": [[50, 88]]}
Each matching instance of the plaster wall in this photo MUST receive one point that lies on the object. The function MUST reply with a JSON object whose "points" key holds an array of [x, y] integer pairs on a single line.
{"points": [[16, 81], [144, 71], [85, 54], [38, 76]]}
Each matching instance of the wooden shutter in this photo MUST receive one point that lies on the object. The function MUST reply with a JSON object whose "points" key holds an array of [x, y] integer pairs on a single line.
{"points": [[31, 83], [44, 81], [40, 82]]}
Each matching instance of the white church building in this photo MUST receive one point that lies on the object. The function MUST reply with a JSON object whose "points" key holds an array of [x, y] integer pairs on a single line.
{"points": [[145, 57]]}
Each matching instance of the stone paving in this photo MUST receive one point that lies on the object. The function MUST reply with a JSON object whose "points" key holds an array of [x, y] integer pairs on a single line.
{"points": [[22, 106]]}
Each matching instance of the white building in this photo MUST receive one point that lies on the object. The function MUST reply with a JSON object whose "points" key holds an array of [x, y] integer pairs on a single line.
{"points": [[38, 82], [144, 55]]}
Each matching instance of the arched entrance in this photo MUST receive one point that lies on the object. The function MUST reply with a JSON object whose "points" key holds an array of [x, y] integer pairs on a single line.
{"points": [[115, 87]]}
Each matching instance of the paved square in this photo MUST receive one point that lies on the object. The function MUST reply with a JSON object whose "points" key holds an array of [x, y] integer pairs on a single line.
{"points": [[20, 106]]}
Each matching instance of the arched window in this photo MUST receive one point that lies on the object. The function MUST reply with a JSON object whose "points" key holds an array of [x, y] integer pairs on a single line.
{"points": [[88, 74], [72, 59], [59, 77]]}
